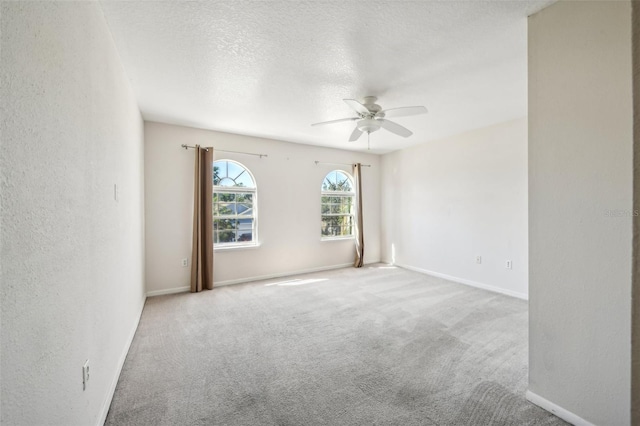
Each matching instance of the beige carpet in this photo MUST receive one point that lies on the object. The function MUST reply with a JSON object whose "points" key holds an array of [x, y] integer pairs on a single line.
{"points": [[372, 346]]}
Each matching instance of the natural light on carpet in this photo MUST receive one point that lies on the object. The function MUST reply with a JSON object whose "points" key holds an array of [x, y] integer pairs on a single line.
{"points": [[297, 282]]}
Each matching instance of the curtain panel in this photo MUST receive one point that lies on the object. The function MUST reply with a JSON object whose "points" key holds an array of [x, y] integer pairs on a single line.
{"points": [[357, 174], [202, 251]]}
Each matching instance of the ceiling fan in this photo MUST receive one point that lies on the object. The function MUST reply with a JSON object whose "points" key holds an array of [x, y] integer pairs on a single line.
{"points": [[371, 117]]}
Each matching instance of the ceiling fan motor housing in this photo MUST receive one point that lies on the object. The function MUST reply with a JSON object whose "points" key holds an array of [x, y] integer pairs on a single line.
{"points": [[370, 104]]}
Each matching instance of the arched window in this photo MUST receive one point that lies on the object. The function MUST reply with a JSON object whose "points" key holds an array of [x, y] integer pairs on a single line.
{"points": [[337, 205], [234, 205]]}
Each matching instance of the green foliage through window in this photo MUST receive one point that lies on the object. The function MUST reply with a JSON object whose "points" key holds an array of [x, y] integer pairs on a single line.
{"points": [[234, 198], [337, 205]]}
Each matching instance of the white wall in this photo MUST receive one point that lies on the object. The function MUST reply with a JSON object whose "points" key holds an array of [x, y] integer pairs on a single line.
{"points": [[288, 206], [580, 168], [447, 201], [635, 379], [72, 274]]}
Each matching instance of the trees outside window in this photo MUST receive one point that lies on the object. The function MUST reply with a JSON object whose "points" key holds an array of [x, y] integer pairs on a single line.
{"points": [[234, 205], [337, 205]]}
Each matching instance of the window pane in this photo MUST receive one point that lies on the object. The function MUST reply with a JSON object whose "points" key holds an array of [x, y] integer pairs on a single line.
{"points": [[226, 182], [230, 174], [223, 224], [226, 236], [244, 198], [245, 230], [244, 209], [342, 182], [233, 212], [227, 208], [217, 173], [244, 180], [245, 236], [233, 170], [337, 225], [245, 224]]}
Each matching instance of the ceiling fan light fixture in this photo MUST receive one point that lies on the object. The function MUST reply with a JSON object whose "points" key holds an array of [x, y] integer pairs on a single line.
{"points": [[368, 125]]}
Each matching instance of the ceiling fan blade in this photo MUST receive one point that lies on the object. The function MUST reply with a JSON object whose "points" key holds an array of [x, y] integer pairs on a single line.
{"points": [[357, 106], [395, 128], [404, 111], [335, 121], [355, 135]]}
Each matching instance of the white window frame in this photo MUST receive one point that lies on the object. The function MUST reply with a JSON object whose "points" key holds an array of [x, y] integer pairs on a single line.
{"points": [[335, 194], [237, 190]]}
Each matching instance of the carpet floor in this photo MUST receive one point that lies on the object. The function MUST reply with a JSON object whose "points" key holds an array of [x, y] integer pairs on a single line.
{"points": [[378, 345]]}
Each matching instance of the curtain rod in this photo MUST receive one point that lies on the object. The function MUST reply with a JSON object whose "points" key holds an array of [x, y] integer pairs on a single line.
{"points": [[185, 146], [342, 164]]}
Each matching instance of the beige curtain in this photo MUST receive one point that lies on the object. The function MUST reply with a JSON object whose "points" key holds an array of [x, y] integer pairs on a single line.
{"points": [[357, 173], [202, 252]]}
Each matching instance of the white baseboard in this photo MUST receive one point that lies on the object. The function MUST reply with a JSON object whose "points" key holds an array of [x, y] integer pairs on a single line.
{"points": [[255, 278], [549, 406], [466, 282], [281, 275], [168, 291], [123, 356]]}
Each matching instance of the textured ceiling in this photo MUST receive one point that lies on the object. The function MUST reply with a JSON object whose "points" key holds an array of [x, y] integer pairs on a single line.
{"points": [[271, 68]]}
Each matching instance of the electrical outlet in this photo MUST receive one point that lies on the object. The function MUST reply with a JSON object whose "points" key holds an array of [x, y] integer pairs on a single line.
{"points": [[185, 262], [85, 374], [478, 260], [508, 265]]}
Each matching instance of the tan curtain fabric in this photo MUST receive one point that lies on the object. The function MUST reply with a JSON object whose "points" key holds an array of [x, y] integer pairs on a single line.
{"points": [[357, 173], [202, 252]]}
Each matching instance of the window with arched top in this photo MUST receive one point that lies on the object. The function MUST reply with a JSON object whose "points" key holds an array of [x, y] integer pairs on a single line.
{"points": [[234, 205], [337, 204]]}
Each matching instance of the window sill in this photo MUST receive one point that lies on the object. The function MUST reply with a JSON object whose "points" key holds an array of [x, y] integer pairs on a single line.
{"points": [[350, 237], [237, 247]]}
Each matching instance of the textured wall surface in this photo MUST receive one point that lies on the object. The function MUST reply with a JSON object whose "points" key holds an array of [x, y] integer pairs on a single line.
{"points": [[288, 206], [635, 380], [72, 256], [447, 201], [580, 208]]}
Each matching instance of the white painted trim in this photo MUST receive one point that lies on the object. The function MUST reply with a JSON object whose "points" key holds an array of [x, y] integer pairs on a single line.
{"points": [[123, 356], [280, 275], [168, 291], [236, 246], [466, 282], [556, 410], [257, 278], [343, 238]]}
